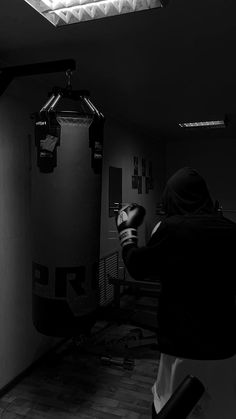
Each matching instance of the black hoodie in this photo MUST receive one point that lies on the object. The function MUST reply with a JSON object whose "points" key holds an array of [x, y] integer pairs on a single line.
{"points": [[192, 253]]}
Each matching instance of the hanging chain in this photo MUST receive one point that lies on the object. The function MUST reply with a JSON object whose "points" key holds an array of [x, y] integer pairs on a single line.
{"points": [[68, 79]]}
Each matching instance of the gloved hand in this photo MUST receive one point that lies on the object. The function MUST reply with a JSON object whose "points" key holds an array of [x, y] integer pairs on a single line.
{"points": [[129, 218]]}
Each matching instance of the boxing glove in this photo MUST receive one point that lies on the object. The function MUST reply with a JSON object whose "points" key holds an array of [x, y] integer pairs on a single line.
{"points": [[129, 218]]}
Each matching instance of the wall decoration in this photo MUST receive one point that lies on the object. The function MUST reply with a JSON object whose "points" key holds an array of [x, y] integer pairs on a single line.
{"points": [[140, 179], [146, 175], [115, 189], [135, 182], [135, 166]]}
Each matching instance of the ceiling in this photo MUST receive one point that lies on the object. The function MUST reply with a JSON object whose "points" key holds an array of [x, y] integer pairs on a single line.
{"points": [[150, 69]]}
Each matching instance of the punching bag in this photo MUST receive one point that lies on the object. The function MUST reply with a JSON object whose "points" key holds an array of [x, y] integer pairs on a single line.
{"points": [[66, 203]]}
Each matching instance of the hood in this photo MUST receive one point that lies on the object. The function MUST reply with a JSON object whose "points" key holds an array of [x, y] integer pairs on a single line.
{"points": [[186, 192]]}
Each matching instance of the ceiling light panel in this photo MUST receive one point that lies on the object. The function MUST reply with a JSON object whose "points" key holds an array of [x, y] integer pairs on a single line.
{"points": [[204, 124], [66, 12]]}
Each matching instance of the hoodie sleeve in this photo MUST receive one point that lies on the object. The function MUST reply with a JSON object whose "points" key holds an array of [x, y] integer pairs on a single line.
{"points": [[149, 260]]}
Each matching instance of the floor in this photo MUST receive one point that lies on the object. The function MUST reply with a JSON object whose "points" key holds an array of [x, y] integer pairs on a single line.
{"points": [[79, 380]]}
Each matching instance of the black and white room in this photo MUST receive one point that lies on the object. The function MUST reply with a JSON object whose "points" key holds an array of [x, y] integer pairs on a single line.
{"points": [[117, 209]]}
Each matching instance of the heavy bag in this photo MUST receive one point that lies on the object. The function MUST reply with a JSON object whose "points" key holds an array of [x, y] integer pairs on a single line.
{"points": [[66, 203]]}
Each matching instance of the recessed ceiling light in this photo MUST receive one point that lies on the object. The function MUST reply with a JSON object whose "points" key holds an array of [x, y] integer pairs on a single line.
{"points": [[65, 12], [204, 124]]}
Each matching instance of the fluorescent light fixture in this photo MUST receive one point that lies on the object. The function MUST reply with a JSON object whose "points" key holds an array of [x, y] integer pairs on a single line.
{"points": [[66, 12], [204, 124]]}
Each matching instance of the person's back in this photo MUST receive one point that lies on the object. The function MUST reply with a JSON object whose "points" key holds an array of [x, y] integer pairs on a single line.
{"points": [[196, 313]]}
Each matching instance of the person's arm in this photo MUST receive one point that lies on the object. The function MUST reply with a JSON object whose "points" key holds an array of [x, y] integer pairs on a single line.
{"points": [[140, 261], [143, 262]]}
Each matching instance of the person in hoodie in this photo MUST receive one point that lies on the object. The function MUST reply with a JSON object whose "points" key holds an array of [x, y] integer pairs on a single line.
{"points": [[192, 252]]}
